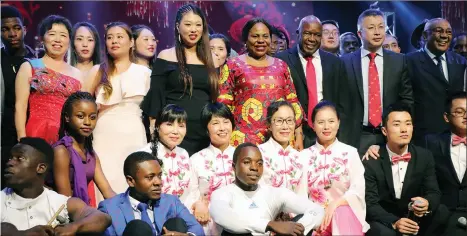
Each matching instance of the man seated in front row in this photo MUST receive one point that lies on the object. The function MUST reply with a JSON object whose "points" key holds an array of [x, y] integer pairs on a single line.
{"points": [[404, 173], [143, 200], [245, 207], [29, 209]]}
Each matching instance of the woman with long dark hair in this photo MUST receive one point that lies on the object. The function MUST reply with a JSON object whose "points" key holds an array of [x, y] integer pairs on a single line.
{"points": [[119, 86], [75, 162], [85, 47], [185, 75]]}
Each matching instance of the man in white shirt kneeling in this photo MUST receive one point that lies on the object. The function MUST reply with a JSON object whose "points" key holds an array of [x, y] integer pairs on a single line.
{"points": [[246, 208]]}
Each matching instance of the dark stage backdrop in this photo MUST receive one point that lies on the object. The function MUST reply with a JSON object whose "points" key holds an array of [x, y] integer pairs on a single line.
{"points": [[224, 17]]}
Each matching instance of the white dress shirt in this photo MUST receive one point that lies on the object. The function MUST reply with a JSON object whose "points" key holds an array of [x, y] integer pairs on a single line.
{"points": [[25, 213], [318, 71], [240, 211], [365, 67], [443, 61], [458, 157], [137, 213], [398, 172]]}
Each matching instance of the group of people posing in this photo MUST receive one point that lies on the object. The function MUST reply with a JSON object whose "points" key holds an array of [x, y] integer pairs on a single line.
{"points": [[215, 144]]}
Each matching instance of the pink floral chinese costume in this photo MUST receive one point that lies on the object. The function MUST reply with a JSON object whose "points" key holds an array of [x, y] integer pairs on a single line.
{"points": [[332, 174], [282, 167], [212, 169]]}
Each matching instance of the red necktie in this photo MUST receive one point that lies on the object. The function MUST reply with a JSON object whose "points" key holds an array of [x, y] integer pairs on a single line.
{"points": [[374, 94], [406, 157], [312, 88], [456, 140]]}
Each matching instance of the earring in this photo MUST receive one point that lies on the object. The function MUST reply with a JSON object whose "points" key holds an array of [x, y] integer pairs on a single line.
{"points": [[179, 40]]}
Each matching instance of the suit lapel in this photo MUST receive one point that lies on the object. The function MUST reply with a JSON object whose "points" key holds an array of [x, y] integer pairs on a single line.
{"points": [[126, 208], [431, 68], [326, 68], [451, 72], [446, 151], [295, 59], [410, 169], [386, 163], [357, 67], [160, 211]]}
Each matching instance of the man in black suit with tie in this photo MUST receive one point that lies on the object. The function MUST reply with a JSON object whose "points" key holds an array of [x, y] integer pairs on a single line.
{"points": [[316, 75], [449, 151], [376, 77], [435, 72], [404, 173]]}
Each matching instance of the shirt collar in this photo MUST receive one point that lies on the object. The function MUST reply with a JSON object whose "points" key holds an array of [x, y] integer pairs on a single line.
{"points": [[277, 146], [134, 203], [164, 150], [315, 55], [391, 154], [364, 52], [17, 202], [321, 147], [432, 56], [217, 150]]}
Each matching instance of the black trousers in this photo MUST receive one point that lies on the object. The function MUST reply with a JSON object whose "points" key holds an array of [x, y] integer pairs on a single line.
{"points": [[369, 138]]}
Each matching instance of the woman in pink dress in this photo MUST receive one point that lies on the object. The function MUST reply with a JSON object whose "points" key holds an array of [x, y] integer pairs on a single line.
{"points": [[335, 176], [43, 85]]}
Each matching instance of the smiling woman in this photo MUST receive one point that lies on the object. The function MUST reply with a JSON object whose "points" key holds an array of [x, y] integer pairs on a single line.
{"points": [[43, 85], [251, 82]]}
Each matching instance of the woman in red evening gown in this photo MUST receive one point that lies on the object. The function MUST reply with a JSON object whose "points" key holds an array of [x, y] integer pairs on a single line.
{"points": [[252, 81], [43, 85]]}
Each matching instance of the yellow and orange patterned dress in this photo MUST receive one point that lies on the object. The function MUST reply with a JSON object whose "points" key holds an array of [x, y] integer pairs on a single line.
{"points": [[249, 90]]}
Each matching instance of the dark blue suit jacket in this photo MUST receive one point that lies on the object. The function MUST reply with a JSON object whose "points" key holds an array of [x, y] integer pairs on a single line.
{"points": [[168, 206]]}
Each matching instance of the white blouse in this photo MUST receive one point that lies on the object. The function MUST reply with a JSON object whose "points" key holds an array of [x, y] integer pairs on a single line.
{"points": [[282, 167]]}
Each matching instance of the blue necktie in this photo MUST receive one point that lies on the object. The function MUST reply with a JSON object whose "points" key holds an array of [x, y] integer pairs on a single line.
{"points": [[440, 66], [143, 207]]}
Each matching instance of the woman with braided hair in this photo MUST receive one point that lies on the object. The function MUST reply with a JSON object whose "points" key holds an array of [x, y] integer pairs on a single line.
{"points": [[75, 162]]}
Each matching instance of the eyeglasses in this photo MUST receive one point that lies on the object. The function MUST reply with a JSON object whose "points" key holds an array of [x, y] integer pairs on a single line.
{"points": [[458, 113], [328, 33], [280, 122]]}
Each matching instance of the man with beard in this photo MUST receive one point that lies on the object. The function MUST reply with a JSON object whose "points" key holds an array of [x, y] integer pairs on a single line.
{"points": [[28, 208], [459, 44], [14, 53], [435, 72], [143, 200], [348, 43], [330, 39], [376, 78], [248, 208], [316, 74]]}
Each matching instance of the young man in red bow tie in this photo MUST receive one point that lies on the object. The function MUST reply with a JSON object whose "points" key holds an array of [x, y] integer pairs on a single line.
{"points": [[449, 151], [403, 174]]}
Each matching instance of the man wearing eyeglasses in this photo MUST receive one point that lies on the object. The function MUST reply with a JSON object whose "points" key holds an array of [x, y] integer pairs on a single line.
{"points": [[376, 78], [449, 152], [330, 39], [435, 72]]}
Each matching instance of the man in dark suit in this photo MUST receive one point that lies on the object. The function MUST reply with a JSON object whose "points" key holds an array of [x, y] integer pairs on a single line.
{"points": [[449, 151], [435, 72], [403, 174], [164, 213], [316, 74], [375, 78]]}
